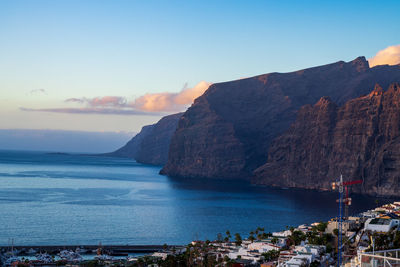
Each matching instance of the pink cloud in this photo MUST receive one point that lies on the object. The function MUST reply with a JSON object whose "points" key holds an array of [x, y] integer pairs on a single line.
{"points": [[148, 104], [165, 102]]}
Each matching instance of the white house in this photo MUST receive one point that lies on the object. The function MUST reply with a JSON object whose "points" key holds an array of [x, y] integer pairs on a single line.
{"points": [[381, 224], [298, 261], [313, 250], [245, 254], [262, 246], [282, 234]]}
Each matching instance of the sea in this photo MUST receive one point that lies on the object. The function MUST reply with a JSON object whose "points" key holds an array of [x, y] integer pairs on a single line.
{"points": [[74, 199]]}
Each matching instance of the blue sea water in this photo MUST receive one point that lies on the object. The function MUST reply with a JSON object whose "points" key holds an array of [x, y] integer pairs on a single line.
{"points": [[48, 199]]}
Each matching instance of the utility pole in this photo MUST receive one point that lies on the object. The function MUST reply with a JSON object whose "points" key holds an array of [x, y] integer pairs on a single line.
{"points": [[341, 186]]}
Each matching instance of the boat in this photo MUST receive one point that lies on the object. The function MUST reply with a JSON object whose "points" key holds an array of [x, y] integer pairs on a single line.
{"points": [[103, 257], [70, 256], [44, 257], [131, 259], [81, 250], [31, 251], [10, 260]]}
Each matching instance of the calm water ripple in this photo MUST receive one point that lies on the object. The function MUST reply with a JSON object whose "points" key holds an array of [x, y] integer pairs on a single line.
{"points": [[73, 199]]}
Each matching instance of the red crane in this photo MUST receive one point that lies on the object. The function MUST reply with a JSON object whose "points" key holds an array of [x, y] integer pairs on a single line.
{"points": [[347, 200]]}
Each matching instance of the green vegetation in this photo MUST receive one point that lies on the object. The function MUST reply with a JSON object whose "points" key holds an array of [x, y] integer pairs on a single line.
{"points": [[219, 237], [321, 227], [195, 255], [316, 237], [228, 236], [270, 255], [384, 241], [336, 232], [238, 239], [296, 237]]}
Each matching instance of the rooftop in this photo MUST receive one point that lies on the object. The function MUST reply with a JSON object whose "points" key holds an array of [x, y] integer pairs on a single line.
{"points": [[380, 221]]}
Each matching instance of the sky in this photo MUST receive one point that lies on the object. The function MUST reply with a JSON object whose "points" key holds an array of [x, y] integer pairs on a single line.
{"points": [[62, 140], [115, 66]]}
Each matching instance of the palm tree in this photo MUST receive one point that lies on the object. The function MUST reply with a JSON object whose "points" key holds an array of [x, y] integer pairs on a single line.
{"points": [[228, 236], [238, 239], [251, 238], [264, 236]]}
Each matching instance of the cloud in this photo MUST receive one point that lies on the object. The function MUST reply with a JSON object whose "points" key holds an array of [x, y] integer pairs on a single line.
{"points": [[166, 102], [38, 91], [104, 111], [149, 104], [387, 56], [106, 101], [77, 100]]}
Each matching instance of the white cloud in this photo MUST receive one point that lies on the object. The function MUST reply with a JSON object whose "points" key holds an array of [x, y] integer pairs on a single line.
{"points": [[387, 56], [38, 91]]}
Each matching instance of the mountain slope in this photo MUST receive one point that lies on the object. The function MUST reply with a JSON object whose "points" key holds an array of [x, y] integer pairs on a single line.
{"points": [[226, 133], [151, 144], [360, 140]]}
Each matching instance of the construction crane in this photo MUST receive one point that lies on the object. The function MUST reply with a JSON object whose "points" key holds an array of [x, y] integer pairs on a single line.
{"points": [[342, 186], [347, 200]]}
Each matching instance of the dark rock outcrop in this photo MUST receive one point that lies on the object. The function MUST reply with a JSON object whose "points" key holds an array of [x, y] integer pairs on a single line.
{"points": [[360, 140], [151, 144], [226, 133]]}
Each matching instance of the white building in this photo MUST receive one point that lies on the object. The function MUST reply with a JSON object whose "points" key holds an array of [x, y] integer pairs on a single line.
{"points": [[282, 234], [262, 246], [162, 255], [381, 224], [298, 261], [314, 250], [245, 254]]}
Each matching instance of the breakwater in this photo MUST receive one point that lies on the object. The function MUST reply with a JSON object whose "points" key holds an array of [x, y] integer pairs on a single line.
{"points": [[109, 249]]}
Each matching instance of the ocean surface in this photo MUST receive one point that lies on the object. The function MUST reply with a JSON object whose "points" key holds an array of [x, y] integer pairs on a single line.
{"points": [[49, 199]]}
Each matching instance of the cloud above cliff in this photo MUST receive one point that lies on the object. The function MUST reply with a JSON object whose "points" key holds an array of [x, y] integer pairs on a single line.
{"points": [[149, 104], [387, 56], [165, 102]]}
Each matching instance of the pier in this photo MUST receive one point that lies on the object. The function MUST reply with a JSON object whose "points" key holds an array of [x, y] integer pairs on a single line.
{"points": [[109, 249]]}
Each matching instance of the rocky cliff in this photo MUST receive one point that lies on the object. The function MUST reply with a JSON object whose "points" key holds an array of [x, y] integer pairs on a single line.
{"points": [[151, 145], [360, 139], [227, 132]]}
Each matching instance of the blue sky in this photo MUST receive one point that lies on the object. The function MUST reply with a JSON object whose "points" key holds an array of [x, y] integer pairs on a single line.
{"points": [[51, 51]]}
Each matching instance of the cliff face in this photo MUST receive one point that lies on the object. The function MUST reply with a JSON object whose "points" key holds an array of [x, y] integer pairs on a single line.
{"points": [[131, 149], [360, 139], [151, 145], [227, 131]]}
